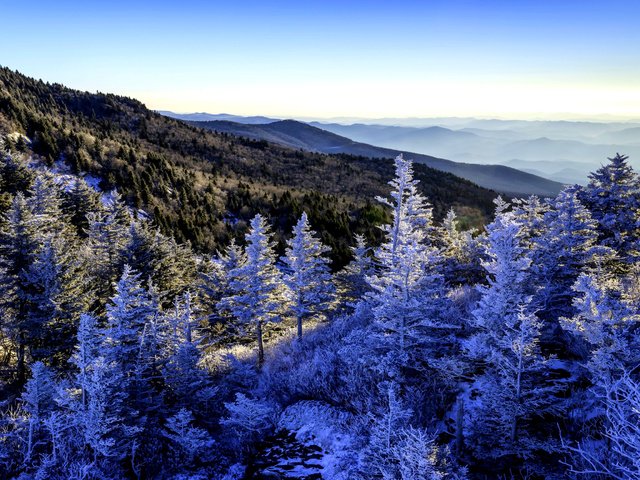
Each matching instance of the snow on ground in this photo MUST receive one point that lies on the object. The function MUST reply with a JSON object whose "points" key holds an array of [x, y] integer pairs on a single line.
{"points": [[315, 423]]}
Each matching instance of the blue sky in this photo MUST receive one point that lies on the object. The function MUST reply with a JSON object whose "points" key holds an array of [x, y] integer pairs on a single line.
{"points": [[518, 59]]}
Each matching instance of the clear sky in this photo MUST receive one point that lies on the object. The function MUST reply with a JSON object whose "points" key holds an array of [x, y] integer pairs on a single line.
{"points": [[510, 58]]}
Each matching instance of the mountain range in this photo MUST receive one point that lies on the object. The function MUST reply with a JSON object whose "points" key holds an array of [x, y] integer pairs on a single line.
{"points": [[562, 151], [296, 134]]}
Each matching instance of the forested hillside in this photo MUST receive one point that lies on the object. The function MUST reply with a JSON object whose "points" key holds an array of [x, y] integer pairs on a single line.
{"points": [[437, 354], [203, 187]]}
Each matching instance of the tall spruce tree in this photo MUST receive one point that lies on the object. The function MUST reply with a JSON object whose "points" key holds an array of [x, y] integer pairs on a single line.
{"points": [[308, 276], [258, 293]]}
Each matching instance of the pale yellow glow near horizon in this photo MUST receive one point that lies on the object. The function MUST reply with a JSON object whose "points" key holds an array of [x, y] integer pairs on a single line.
{"points": [[405, 99]]}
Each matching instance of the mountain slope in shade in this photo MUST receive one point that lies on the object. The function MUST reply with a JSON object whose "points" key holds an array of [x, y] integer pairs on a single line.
{"points": [[307, 137]]}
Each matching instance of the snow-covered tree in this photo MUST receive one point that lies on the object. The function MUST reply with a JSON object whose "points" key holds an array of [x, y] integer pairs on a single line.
{"points": [[45, 203], [308, 275], [249, 418], [54, 296], [505, 344], [86, 352], [215, 286], [107, 235], [565, 246], [38, 402], [461, 253], [131, 349], [607, 324], [353, 277], [258, 293], [613, 196], [617, 455], [187, 442], [19, 245], [78, 203], [405, 287], [184, 380]]}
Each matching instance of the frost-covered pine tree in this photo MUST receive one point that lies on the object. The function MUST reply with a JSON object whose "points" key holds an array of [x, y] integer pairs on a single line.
{"points": [[616, 451], [308, 275], [404, 286], [353, 278], [78, 203], [613, 197], [46, 205], [565, 247], [607, 324], [129, 348], [38, 402], [86, 351], [187, 442], [129, 311], [19, 245], [461, 253], [54, 296], [258, 293], [215, 286], [107, 235], [505, 345], [185, 381]]}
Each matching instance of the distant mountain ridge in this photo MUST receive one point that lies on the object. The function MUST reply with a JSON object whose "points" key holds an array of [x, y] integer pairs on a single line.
{"points": [[205, 117], [297, 134]]}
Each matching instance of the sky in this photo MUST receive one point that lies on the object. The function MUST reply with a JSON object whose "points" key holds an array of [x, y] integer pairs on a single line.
{"points": [[323, 59]]}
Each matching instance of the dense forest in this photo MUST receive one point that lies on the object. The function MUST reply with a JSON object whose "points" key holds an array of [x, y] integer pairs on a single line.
{"points": [[436, 353], [203, 187]]}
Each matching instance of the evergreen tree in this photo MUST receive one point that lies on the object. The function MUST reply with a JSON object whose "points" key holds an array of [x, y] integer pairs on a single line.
{"points": [[38, 402], [461, 253], [566, 246], [79, 203], [186, 382], [130, 349], [607, 324], [258, 293], [506, 343], [309, 276], [404, 286], [353, 278], [613, 197], [215, 286], [19, 244], [107, 235], [55, 295]]}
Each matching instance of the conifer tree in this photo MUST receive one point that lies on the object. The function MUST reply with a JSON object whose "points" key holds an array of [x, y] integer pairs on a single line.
{"points": [[404, 285], [258, 293], [613, 197], [215, 285], [185, 381], [19, 245], [79, 203], [506, 344], [308, 276], [353, 278], [55, 295], [566, 246], [38, 402]]}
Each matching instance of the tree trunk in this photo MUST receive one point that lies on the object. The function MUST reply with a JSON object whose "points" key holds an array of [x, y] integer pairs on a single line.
{"points": [[260, 345], [299, 327]]}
